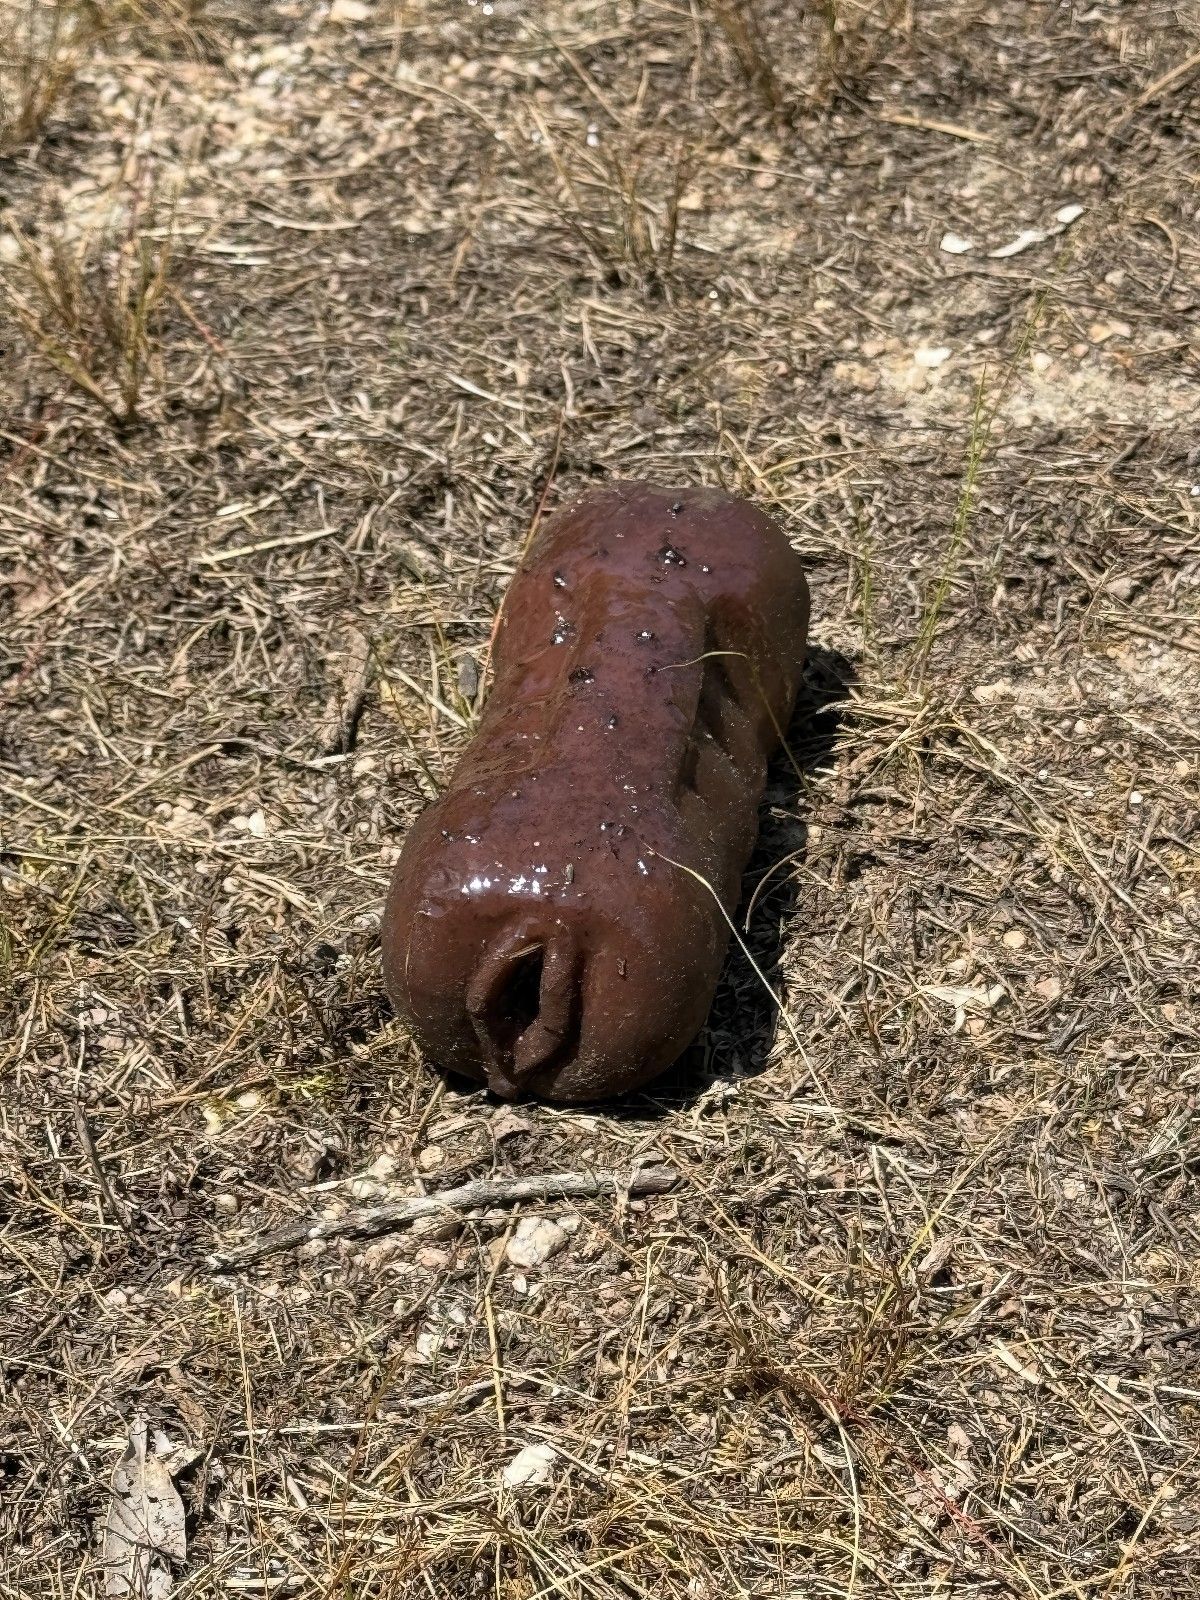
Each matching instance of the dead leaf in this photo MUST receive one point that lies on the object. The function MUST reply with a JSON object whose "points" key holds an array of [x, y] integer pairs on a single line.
{"points": [[936, 1257], [145, 1521], [966, 997], [339, 724], [506, 1122]]}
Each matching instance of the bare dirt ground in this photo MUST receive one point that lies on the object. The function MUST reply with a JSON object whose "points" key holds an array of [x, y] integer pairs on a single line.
{"points": [[307, 312]]}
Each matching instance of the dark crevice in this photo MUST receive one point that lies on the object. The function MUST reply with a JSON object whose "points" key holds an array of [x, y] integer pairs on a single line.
{"points": [[514, 1006], [686, 781]]}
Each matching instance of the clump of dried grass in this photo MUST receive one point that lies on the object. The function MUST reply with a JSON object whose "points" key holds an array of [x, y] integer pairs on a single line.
{"points": [[168, 28], [740, 22], [603, 190], [91, 306], [42, 47], [45, 44]]}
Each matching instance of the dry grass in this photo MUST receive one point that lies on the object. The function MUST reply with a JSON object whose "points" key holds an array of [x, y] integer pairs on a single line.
{"points": [[92, 307], [922, 1318], [42, 47], [741, 23]]}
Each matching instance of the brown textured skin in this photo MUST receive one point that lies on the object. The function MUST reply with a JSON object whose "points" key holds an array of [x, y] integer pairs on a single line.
{"points": [[537, 934]]}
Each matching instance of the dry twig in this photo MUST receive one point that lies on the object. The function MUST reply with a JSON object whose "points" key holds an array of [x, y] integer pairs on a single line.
{"points": [[370, 1222]]}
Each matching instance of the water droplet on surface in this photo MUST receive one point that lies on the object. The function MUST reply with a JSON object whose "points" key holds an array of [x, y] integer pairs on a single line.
{"points": [[645, 636], [612, 722], [677, 508], [563, 630], [559, 581], [670, 557], [581, 675]]}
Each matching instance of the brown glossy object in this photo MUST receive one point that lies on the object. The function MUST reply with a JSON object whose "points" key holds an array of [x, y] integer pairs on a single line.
{"points": [[541, 932]]}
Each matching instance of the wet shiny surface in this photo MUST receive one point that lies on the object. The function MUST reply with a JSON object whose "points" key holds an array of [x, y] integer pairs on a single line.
{"points": [[538, 933]]}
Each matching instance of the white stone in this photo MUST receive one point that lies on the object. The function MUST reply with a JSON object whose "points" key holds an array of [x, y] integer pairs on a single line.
{"points": [[532, 1466], [535, 1240]]}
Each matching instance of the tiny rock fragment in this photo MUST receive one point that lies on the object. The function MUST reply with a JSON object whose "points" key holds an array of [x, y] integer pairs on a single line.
{"points": [[955, 245], [932, 356], [432, 1260], [1014, 939], [857, 374], [1101, 332], [988, 693], [534, 1241], [468, 677], [531, 1467], [364, 1188]]}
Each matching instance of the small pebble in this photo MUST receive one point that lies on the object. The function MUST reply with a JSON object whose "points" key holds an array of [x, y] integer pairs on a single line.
{"points": [[534, 1241], [532, 1466]]}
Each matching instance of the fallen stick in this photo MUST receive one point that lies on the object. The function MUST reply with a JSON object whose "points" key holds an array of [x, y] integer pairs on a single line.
{"points": [[369, 1222]]}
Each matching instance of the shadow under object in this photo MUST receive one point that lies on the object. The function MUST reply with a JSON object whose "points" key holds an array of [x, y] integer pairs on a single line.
{"points": [[744, 1022], [557, 921]]}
